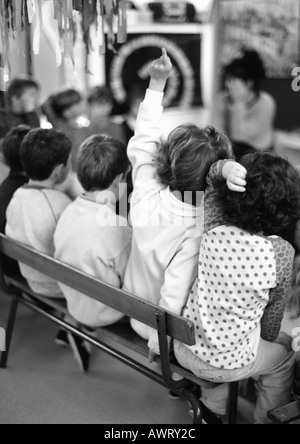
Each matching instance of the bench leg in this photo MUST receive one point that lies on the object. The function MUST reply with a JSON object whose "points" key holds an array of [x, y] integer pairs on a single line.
{"points": [[233, 402], [9, 332], [195, 404]]}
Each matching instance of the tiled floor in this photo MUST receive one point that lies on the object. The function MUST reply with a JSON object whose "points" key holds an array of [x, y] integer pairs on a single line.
{"points": [[43, 385]]}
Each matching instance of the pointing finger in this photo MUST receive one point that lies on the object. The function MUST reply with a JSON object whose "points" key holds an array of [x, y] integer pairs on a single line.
{"points": [[164, 53]]}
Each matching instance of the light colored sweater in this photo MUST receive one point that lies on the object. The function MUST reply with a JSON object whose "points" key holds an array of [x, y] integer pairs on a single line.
{"points": [[166, 232], [252, 124], [32, 217], [93, 239]]}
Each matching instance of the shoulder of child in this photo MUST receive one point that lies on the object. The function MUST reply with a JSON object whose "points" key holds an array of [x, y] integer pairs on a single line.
{"points": [[58, 198], [283, 249]]}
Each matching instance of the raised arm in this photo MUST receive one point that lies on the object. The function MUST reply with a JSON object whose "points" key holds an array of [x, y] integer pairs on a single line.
{"points": [[235, 176], [142, 149]]}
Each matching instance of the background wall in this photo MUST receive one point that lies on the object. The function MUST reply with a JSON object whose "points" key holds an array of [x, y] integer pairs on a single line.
{"points": [[288, 103]]}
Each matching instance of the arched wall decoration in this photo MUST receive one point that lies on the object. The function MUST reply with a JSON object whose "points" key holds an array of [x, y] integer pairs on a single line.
{"points": [[19, 16]]}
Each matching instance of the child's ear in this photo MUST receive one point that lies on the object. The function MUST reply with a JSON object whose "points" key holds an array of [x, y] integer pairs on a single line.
{"points": [[57, 172]]}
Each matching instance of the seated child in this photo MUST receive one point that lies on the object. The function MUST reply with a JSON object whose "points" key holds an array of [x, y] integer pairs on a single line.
{"points": [[63, 111], [101, 103], [23, 100], [166, 231], [90, 236], [35, 209], [244, 280], [16, 179]]}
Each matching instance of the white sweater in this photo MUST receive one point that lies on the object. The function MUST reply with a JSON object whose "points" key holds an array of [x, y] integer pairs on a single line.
{"points": [[32, 217], [166, 232], [252, 124], [84, 241]]}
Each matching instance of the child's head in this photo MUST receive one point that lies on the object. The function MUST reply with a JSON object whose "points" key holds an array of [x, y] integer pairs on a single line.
{"points": [[100, 102], [23, 95], [186, 158], [11, 147], [68, 104], [271, 203], [102, 162], [45, 155]]}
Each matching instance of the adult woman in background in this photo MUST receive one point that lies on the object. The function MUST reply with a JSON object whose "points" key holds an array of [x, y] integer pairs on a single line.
{"points": [[244, 111]]}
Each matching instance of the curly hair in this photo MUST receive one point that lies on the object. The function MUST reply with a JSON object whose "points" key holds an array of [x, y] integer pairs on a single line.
{"points": [[271, 203], [185, 159]]}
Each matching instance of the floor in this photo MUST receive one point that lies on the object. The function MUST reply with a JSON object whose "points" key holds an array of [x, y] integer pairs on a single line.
{"points": [[43, 384]]}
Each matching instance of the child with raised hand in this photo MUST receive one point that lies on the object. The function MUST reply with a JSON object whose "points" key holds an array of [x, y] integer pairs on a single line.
{"points": [[244, 280], [167, 229]]}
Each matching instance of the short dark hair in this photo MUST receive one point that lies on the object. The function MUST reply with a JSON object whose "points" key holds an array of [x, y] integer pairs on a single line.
{"points": [[42, 150], [5, 122], [99, 95], [101, 159], [64, 100], [19, 85], [249, 67], [185, 159], [11, 146], [271, 203]]}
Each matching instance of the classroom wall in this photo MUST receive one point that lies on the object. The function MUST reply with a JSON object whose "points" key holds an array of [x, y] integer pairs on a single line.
{"points": [[288, 103]]}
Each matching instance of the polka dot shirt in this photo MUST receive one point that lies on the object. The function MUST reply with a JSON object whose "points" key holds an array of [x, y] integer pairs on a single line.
{"points": [[237, 270]]}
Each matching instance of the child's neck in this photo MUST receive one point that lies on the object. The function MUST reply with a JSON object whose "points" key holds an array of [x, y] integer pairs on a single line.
{"points": [[101, 196], [49, 183]]}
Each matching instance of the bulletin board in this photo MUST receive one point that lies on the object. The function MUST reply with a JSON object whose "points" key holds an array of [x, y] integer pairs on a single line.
{"points": [[129, 67], [269, 26]]}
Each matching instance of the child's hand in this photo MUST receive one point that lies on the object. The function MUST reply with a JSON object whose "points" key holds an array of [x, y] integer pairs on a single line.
{"points": [[160, 71], [235, 174]]}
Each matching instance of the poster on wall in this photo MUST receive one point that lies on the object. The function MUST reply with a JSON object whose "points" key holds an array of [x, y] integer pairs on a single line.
{"points": [[269, 26], [127, 71]]}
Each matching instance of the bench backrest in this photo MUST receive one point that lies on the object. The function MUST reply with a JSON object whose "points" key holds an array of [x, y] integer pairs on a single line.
{"points": [[178, 327]]}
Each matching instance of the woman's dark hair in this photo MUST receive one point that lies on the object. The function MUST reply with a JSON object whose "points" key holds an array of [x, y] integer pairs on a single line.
{"points": [[11, 147], [42, 150], [249, 67], [185, 159], [101, 159], [64, 100], [271, 203]]}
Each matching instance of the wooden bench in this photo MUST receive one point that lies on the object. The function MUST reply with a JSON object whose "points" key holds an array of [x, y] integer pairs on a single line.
{"points": [[111, 338], [288, 414]]}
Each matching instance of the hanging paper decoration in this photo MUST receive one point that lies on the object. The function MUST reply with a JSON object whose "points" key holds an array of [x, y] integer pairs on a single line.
{"points": [[22, 21]]}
